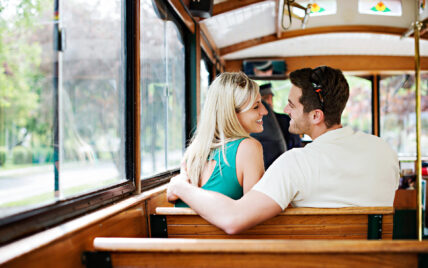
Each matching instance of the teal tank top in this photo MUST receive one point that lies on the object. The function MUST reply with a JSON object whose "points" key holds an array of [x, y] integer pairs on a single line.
{"points": [[224, 181]]}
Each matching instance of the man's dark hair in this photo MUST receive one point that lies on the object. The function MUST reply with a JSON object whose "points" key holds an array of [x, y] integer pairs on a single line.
{"points": [[323, 88]]}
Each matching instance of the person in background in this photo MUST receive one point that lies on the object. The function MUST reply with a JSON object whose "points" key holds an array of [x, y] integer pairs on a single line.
{"points": [[275, 138], [222, 157], [339, 168]]}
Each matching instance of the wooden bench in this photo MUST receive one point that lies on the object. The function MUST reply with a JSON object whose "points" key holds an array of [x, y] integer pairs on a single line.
{"points": [[293, 223], [171, 252]]}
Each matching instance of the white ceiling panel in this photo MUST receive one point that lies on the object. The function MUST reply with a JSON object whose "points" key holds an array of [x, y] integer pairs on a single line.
{"points": [[242, 24], [334, 44]]}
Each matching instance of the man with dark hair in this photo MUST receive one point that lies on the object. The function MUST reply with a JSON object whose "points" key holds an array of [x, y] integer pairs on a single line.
{"points": [[340, 168], [275, 138], [292, 140]]}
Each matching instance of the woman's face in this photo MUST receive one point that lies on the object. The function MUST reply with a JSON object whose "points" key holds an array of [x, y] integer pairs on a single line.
{"points": [[252, 119]]}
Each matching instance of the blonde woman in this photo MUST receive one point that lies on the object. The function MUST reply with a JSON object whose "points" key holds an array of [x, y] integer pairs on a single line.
{"points": [[222, 156]]}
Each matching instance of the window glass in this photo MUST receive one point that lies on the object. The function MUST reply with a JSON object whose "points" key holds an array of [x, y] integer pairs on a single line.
{"points": [[26, 105], [398, 116], [205, 82], [162, 90], [358, 110], [318, 7], [176, 94], [280, 89], [61, 113], [91, 110], [384, 7]]}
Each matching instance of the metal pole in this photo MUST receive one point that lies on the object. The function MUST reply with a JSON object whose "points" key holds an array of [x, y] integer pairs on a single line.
{"points": [[417, 28]]}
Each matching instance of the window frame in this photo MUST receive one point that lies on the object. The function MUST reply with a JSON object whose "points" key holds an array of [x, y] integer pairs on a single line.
{"points": [[31, 221], [159, 178]]}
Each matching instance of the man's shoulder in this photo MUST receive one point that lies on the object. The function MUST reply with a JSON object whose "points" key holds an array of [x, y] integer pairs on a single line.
{"points": [[371, 139], [371, 144], [295, 154]]}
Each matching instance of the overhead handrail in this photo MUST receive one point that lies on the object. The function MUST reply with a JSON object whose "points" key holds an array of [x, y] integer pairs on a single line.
{"points": [[292, 3]]}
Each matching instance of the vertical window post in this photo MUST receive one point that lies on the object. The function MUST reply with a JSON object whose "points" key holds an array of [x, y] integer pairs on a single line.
{"points": [[57, 99], [132, 119], [193, 81]]}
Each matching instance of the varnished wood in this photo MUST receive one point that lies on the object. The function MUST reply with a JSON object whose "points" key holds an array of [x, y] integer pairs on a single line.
{"points": [[278, 236], [185, 17], [206, 48], [260, 253], [278, 13], [258, 246], [208, 43], [230, 5], [158, 200], [66, 251], [310, 31], [405, 199], [64, 244], [282, 219], [294, 211], [339, 230], [375, 105], [295, 223], [198, 70], [347, 63], [262, 260]]}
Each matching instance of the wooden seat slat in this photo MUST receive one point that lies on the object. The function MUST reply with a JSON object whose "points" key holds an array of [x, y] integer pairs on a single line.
{"points": [[255, 260], [292, 219], [171, 252], [258, 246], [274, 236], [293, 211], [274, 229], [298, 223]]}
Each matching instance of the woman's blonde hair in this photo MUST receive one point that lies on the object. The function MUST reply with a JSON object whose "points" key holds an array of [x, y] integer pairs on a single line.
{"points": [[229, 94]]}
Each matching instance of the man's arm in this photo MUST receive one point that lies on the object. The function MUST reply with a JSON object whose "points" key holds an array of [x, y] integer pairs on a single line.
{"points": [[232, 216]]}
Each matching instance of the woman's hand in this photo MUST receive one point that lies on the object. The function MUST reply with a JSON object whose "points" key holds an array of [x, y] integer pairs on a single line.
{"points": [[173, 186]]}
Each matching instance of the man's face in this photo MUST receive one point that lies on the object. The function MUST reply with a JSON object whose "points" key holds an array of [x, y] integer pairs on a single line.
{"points": [[299, 123]]}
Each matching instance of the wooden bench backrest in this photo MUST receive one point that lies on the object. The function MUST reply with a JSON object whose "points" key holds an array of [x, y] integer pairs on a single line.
{"points": [[155, 252], [293, 223]]}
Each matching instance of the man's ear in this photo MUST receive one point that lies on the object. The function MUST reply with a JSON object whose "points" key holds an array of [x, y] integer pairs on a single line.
{"points": [[317, 116]]}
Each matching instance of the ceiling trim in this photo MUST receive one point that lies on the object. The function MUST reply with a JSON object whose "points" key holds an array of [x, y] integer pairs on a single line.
{"points": [[347, 63], [230, 5], [311, 31]]}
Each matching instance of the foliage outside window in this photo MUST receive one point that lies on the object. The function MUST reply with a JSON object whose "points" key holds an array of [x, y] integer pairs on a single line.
{"points": [[358, 110], [89, 83], [162, 90], [398, 116]]}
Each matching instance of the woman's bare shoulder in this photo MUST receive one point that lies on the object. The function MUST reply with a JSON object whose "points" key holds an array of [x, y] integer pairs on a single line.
{"points": [[248, 147]]}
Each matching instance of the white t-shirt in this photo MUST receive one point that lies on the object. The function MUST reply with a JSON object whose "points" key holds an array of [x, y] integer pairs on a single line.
{"points": [[340, 168]]}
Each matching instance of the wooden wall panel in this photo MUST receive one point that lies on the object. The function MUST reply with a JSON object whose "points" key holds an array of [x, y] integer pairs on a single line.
{"points": [[158, 200], [63, 245], [67, 251], [179, 259]]}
